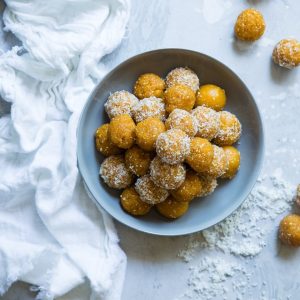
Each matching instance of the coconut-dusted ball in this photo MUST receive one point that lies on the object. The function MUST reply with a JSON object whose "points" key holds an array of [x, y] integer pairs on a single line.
{"points": [[181, 119], [250, 25], [211, 96], [233, 158], [147, 132], [208, 122], [173, 146], [149, 107], [189, 189], [132, 203], [219, 164], [208, 184], [287, 53], [121, 131], [179, 96], [103, 143], [230, 129], [137, 160], [171, 208], [183, 76], [201, 154], [149, 192], [167, 176], [289, 230], [148, 85], [120, 103], [115, 173]]}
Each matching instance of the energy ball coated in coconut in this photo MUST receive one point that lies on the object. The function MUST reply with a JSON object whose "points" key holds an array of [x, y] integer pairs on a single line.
{"points": [[250, 25], [171, 208], [149, 107], [181, 119], [149, 191], [115, 173], [211, 96], [173, 146], [120, 103], [183, 76], [219, 164], [208, 184], [167, 176], [208, 122], [230, 129], [287, 53], [148, 85], [289, 230], [103, 143], [233, 158]]}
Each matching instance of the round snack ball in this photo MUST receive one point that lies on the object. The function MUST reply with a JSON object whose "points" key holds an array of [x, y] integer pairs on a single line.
{"points": [[230, 129], [289, 230], [171, 208], [148, 85], [120, 103], [201, 154], [137, 160], [149, 107], [122, 131], [208, 184], [189, 189], [219, 164], [287, 53], [233, 158], [179, 96], [181, 119], [250, 25], [208, 122], [132, 203], [147, 132], [167, 176], [183, 76], [212, 96], [103, 143], [173, 146], [149, 191], [115, 173]]}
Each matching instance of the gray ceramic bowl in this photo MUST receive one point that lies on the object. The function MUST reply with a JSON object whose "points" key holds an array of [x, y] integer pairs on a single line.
{"points": [[203, 212]]}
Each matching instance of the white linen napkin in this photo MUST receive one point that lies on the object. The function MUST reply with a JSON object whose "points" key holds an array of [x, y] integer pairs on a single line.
{"points": [[51, 234]]}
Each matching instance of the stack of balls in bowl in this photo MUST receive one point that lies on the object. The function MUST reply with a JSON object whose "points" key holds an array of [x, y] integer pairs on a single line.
{"points": [[167, 143]]}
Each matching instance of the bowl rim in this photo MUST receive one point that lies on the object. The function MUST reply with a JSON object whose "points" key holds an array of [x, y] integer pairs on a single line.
{"points": [[194, 229]]}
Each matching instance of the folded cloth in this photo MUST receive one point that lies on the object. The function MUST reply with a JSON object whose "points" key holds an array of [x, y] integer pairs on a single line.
{"points": [[51, 233]]}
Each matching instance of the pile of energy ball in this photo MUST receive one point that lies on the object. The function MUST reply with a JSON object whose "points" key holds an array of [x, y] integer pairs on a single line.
{"points": [[167, 143]]}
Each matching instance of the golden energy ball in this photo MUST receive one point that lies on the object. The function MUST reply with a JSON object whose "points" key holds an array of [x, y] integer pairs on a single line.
{"points": [[173, 146], [115, 173], [171, 208], [230, 129], [201, 154], [137, 160], [287, 53], [181, 119], [250, 25], [120, 103], [189, 189], [167, 176], [132, 203], [219, 164], [211, 96], [289, 230], [183, 76], [149, 192], [179, 96], [121, 131], [148, 85], [208, 122], [149, 107], [103, 143], [233, 158], [147, 133], [208, 184]]}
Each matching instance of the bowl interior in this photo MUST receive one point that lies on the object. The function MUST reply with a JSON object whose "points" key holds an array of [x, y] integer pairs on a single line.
{"points": [[203, 212]]}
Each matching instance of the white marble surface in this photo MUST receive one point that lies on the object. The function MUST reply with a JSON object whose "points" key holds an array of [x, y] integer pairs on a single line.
{"points": [[154, 271]]}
